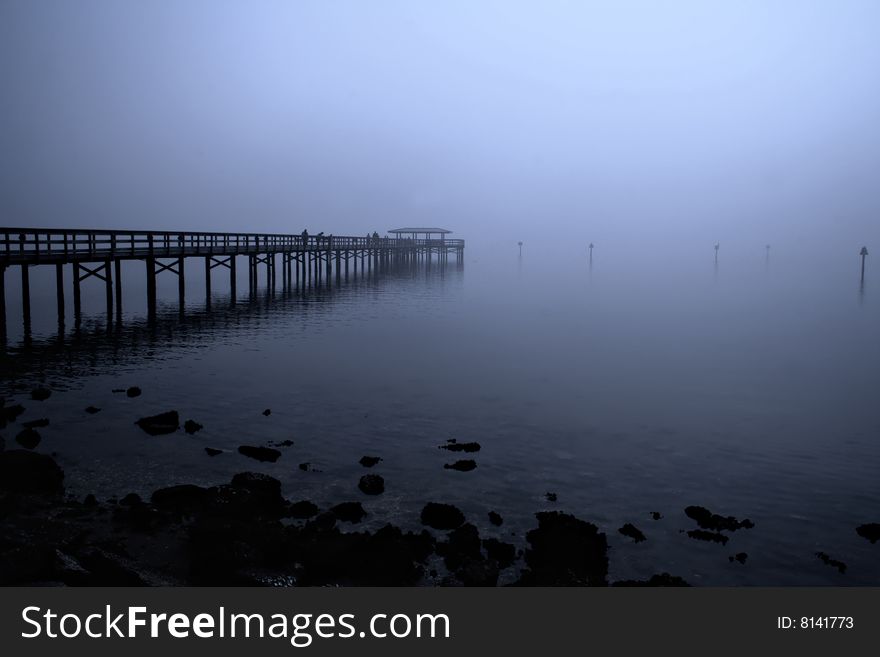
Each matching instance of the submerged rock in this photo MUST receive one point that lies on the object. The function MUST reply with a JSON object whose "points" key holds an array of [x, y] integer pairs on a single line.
{"points": [[264, 454], [739, 557], [348, 512], [40, 393], [713, 537], [35, 424], [26, 472], [267, 412], [454, 446], [210, 451], [565, 551], [464, 465], [664, 579], [656, 515], [163, 423], [551, 497], [191, 426], [632, 532], [372, 484], [499, 551], [712, 521], [133, 391], [182, 498], [441, 516], [91, 410], [495, 518], [11, 413], [305, 466], [302, 510], [369, 461], [834, 563], [870, 531], [132, 499], [28, 438]]}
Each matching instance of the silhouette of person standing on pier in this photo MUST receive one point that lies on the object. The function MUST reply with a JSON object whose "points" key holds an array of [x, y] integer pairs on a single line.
{"points": [[305, 237]]}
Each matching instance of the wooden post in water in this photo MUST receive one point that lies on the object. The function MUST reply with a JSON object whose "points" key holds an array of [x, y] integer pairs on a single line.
{"points": [[118, 266], [717, 246], [181, 283], [208, 279], [3, 301], [59, 291], [26, 294], [520, 249], [151, 287], [77, 296], [108, 287], [232, 277], [591, 253], [863, 253]]}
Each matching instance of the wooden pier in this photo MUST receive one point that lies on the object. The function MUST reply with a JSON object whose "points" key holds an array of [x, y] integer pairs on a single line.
{"points": [[306, 260]]}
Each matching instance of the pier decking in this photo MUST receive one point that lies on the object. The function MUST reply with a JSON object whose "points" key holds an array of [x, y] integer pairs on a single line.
{"points": [[305, 259]]}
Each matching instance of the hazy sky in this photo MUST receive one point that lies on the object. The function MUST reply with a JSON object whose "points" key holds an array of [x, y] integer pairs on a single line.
{"points": [[641, 121]]}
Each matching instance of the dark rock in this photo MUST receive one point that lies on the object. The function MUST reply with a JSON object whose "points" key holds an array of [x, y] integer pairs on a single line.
{"points": [[372, 484], [464, 465], [495, 518], [656, 515], [369, 461], [132, 499], [454, 446], [91, 410], [870, 531], [185, 498], [191, 427], [108, 569], [36, 424], [26, 472], [504, 554], [133, 391], [713, 522], [305, 467], [11, 413], [163, 423], [41, 394], [565, 551], [260, 453], [349, 512], [739, 556], [632, 532], [267, 412], [713, 537], [210, 451], [834, 563], [441, 516], [252, 494], [28, 438], [90, 500], [551, 497], [302, 510], [664, 579]]}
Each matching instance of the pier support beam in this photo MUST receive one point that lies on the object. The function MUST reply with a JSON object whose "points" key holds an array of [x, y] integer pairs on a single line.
{"points": [[26, 295], [118, 267], [59, 292], [3, 302], [108, 286], [181, 284], [151, 287]]}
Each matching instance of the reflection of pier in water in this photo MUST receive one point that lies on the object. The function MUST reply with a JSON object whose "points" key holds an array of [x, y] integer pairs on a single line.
{"points": [[306, 260], [96, 346]]}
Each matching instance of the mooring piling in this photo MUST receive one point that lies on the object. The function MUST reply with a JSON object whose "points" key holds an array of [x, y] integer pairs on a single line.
{"points": [[863, 253]]}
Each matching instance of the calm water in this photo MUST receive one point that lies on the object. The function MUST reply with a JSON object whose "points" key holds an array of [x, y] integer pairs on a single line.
{"points": [[750, 388]]}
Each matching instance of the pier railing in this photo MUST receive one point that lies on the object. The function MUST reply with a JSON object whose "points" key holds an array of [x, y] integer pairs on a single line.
{"points": [[28, 245]]}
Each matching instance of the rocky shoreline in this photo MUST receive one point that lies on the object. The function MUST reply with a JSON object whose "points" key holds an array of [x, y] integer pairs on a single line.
{"points": [[245, 533]]}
